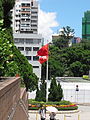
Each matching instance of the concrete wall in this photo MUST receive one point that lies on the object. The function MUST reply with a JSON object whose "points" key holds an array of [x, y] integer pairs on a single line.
{"points": [[13, 100]]}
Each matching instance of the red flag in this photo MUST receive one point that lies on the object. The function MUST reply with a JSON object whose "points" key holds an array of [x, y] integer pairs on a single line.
{"points": [[43, 51], [43, 59]]}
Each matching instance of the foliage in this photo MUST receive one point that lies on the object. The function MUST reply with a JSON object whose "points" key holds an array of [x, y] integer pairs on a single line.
{"points": [[55, 92], [61, 42], [41, 93], [76, 68], [86, 77], [65, 35], [7, 63], [67, 32], [61, 105], [25, 70], [60, 92], [7, 5], [1, 10], [65, 61], [62, 102], [12, 62]]}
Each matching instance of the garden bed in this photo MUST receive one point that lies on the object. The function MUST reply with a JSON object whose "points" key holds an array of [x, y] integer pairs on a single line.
{"points": [[62, 105]]}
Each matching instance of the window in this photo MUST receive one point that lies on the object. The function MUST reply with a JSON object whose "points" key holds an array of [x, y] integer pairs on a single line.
{"points": [[28, 5], [33, 16], [29, 41], [16, 40], [21, 40], [23, 4], [28, 57], [35, 58], [23, 19], [36, 41], [28, 48], [35, 48], [21, 48], [33, 25], [35, 66], [34, 7], [27, 19], [34, 29], [31, 3], [34, 12], [33, 21]]}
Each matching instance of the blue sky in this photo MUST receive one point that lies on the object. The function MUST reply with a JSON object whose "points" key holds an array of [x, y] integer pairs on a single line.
{"points": [[68, 12]]}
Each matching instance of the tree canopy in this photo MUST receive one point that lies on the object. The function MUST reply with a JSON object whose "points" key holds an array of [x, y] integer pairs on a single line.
{"points": [[77, 55], [12, 62], [55, 91], [68, 61], [5, 12], [65, 35]]}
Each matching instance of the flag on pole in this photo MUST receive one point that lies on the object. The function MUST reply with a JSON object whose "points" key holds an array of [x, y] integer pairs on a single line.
{"points": [[43, 59], [43, 52]]}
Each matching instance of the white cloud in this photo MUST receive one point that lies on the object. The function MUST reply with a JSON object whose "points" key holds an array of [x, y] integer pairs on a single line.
{"points": [[46, 21]]}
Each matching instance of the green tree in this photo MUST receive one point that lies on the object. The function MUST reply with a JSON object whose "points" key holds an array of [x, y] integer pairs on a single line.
{"points": [[60, 92], [1, 10], [53, 91], [37, 97], [65, 35], [25, 70], [76, 68], [67, 32], [12, 62], [7, 63], [7, 5], [61, 42], [41, 93], [11, 59]]}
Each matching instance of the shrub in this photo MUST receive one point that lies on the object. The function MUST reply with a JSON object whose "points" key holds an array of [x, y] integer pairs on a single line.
{"points": [[62, 105], [85, 77]]}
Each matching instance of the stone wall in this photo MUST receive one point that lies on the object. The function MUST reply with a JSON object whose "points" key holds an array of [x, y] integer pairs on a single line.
{"points": [[13, 100]]}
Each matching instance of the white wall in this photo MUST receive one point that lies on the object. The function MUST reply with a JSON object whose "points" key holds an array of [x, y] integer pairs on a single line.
{"points": [[81, 96], [70, 93]]}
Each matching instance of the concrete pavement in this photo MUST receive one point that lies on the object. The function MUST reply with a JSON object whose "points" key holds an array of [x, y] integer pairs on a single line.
{"points": [[82, 114]]}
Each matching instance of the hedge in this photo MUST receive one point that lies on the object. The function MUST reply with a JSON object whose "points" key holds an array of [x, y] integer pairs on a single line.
{"points": [[62, 105]]}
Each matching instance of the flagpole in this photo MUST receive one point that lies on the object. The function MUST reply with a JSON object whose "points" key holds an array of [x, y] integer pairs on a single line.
{"points": [[43, 52], [47, 83], [47, 77]]}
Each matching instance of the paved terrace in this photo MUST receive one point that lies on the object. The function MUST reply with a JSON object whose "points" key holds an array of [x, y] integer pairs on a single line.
{"points": [[82, 114]]}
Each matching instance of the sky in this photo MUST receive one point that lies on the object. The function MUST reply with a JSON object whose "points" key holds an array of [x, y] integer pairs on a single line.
{"points": [[55, 14]]}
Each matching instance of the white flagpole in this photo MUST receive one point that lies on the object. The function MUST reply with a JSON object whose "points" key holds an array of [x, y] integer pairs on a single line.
{"points": [[47, 79], [47, 83]]}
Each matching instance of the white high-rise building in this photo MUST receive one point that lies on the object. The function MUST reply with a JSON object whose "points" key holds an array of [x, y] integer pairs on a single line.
{"points": [[25, 31], [25, 16]]}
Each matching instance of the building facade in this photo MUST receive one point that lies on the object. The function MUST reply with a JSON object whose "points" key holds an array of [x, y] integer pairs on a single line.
{"points": [[76, 40], [86, 25], [25, 16], [25, 31]]}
